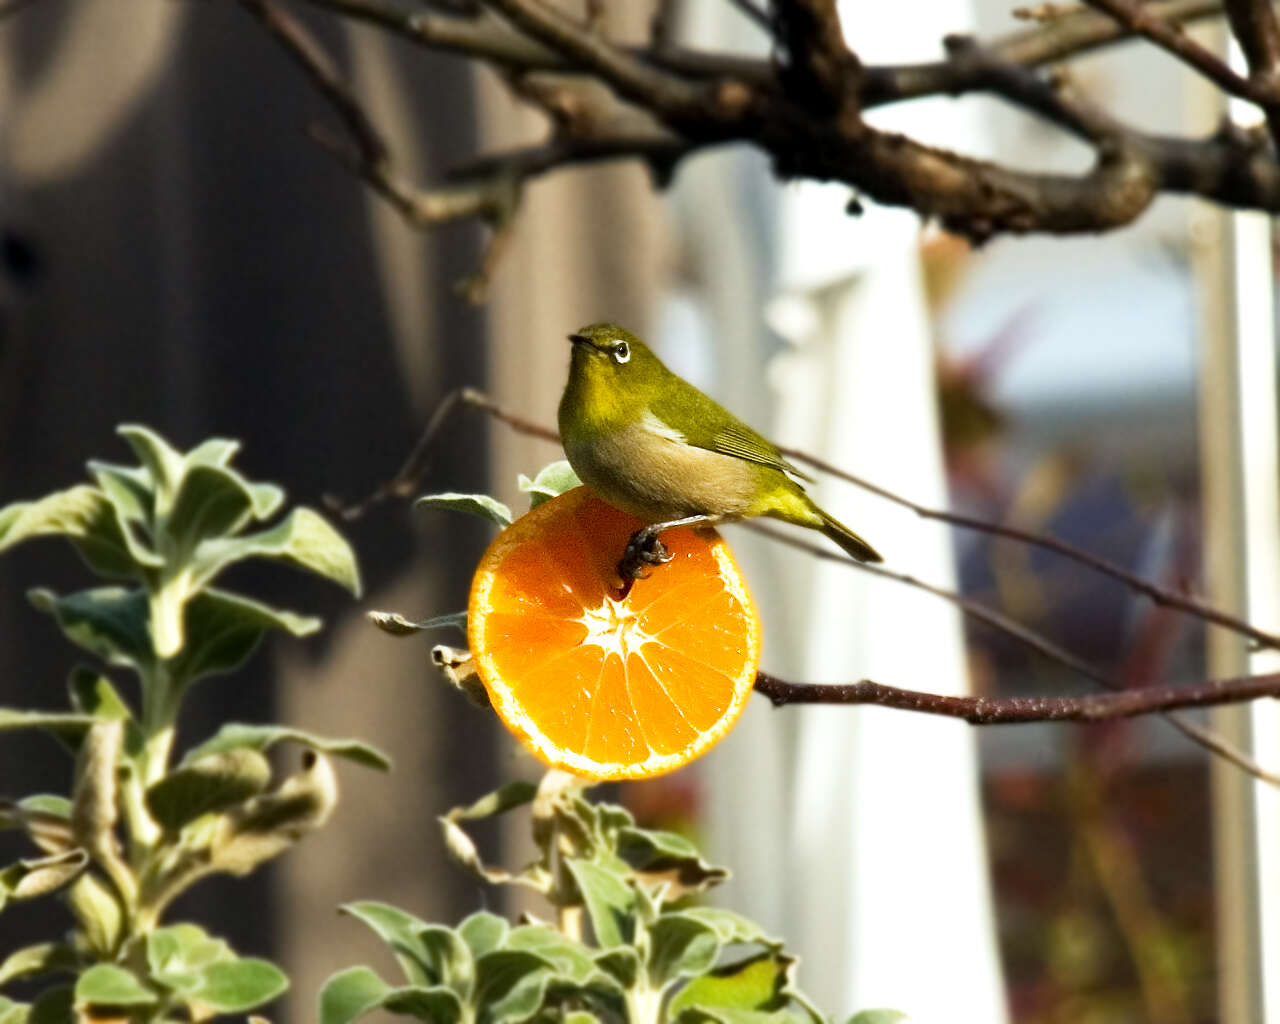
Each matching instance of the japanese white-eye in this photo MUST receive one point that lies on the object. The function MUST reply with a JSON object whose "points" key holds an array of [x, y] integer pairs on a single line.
{"points": [[653, 445]]}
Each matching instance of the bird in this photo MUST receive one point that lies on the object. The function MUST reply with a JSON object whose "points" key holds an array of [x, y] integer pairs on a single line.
{"points": [[651, 444]]}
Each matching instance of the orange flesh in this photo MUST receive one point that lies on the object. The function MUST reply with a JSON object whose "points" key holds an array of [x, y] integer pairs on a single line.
{"points": [[601, 686]]}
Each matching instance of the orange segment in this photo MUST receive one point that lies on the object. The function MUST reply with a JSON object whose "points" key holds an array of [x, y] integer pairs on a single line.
{"points": [[603, 687]]}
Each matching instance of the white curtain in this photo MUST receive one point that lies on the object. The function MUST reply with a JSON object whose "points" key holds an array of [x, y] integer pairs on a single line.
{"points": [[856, 834]]}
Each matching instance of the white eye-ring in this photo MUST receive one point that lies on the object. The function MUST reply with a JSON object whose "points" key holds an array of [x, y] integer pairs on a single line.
{"points": [[621, 352]]}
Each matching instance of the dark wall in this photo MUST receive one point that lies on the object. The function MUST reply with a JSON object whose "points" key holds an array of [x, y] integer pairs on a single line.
{"points": [[206, 269]]}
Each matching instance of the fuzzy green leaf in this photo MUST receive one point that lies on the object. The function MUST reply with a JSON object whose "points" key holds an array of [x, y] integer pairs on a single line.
{"points": [[47, 803], [509, 985], [130, 491], [211, 783], [234, 986], [473, 504], [215, 451], [350, 994], [399, 930], [622, 963], [224, 629], [680, 946], [14, 1013], [32, 878], [109, 621], [734, 1015], [35, 961], [460, 846], [211, 502], [237, 735], [878, 1016], [610, 902], [436, 1005], [53, 1006], [668, 856], [731, 927], [109, 985], [158, 458], [397, 625], [94, 809], [448, 958], [552, 480], [267, 499], [98, 911], [84, 516], [93, 694], [504, 798], [483, 932], [303, 538], [267, 825], [179, 953], [569, 959], [45, 818], [71, 725], [756, 983]]}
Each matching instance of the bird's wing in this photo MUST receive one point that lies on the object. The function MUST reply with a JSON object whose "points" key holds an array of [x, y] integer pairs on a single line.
{"points": [[719, 430]]}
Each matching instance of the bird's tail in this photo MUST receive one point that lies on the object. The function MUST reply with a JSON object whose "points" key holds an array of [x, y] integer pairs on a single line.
{"points": [[853, 545]]}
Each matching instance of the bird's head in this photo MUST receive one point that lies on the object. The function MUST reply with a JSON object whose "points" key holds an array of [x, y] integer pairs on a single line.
{"points": [[613, 365]]}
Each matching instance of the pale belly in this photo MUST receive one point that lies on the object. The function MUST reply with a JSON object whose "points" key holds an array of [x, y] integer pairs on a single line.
{"points": [[658, 479]]}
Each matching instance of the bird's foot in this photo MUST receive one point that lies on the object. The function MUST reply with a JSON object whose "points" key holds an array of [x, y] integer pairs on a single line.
{"points": [[643, 549]]}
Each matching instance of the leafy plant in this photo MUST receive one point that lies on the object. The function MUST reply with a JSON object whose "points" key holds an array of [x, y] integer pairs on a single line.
{"points": [[645, 953], [137, 829], [651, 956]]}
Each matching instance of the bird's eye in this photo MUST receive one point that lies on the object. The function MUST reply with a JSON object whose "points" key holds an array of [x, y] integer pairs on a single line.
{"points": [[621, 352]]}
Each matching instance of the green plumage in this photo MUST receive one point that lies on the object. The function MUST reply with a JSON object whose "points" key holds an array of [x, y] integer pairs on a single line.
{"points": [[652, 444]]}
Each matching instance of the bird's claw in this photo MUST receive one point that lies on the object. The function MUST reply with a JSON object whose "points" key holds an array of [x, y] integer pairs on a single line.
{"points": [[643, 549]]}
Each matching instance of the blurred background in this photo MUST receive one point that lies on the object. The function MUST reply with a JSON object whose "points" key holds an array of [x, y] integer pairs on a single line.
{"points": [[177, 252]]}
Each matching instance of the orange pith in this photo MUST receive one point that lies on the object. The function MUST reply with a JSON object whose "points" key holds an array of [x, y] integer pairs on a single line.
{"points": [[602, 687]]}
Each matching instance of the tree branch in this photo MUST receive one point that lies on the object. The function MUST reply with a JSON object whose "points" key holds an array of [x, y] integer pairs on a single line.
{"points": [[1136, 18], [493, 197], [664, 93], [307, 53], [1254, 26], [819, 72], [1034, 641], [707, 99], [1158, 594], [1095, 707], [752, 13]]}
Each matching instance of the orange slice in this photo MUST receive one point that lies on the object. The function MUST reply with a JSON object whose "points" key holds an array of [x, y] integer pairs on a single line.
{"points": [[605, 687]]}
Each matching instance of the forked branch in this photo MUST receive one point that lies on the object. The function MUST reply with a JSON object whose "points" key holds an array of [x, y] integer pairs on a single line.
{"points": [[804, 107]]}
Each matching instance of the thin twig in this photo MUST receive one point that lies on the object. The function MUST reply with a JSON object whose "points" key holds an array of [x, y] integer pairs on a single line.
{"points": [[307, 53], [1032, 640], [1094, 707], [409, 474], [629, 76], [1134, 16], [493, 197], [1158, 594], [757, 15], [1254, 26]]}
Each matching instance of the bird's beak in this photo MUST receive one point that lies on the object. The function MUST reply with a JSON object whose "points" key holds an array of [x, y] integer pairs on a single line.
{"points": [[578, 339]]}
